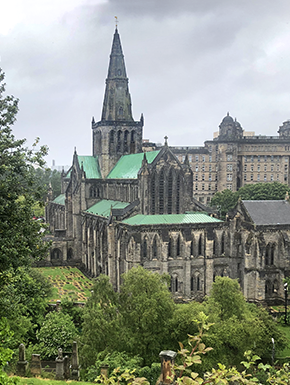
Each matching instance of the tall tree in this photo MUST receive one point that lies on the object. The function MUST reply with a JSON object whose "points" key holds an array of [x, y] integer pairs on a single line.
{"points": [[21, 237], [227, 200]]}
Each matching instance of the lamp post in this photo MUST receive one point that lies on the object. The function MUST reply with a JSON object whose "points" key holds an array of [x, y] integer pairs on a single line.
{"points": [[286, 295]]}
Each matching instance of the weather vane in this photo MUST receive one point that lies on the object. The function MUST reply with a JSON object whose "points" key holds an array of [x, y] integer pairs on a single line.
{"points": [[116, 17]]}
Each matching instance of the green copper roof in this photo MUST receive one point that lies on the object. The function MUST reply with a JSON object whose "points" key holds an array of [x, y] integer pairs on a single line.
{"points": [[91, 166], [60, 200], [195, 217], [103, 208], [129, 165]]}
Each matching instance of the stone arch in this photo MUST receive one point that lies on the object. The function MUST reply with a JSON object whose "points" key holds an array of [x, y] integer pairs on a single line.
{"points": [[155, 247], [56, 254], [174, 283], [192, 246], [169, 250]]}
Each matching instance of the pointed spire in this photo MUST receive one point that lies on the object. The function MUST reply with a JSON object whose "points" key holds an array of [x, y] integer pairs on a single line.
{"points": [[93, 120], [144, 161], [142, 119], [117, 100], [165, 141]]}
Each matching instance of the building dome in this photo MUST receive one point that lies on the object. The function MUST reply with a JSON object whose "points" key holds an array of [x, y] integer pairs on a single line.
{"points": [[227, 119]]}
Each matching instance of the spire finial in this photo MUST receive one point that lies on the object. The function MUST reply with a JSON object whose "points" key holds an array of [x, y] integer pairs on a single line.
{"points": [[117, 21], [165, 143]]}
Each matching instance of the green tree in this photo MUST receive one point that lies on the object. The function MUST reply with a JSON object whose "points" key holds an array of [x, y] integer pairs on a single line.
{"points": [[101, 326], [146, 307], [23, 301], [21, 238], [226, 200], [57, 331], [46, 177]]}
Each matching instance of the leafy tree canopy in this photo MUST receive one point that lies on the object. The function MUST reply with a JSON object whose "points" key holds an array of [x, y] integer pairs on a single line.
{"points": [[227, 199], [20, 236]]}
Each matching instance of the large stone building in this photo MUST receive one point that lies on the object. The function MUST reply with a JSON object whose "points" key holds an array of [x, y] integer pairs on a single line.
{"points": [[121, 207], [235, 158]]}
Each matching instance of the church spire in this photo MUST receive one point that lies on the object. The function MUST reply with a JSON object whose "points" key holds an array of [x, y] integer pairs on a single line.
{"points": [[117, 100]]}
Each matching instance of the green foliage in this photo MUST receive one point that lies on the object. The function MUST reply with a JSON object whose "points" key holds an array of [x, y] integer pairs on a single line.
{"points": [[226, 200], [20, 236], [5, 353], [75, 312], [101, 325], [114, 360], [46, 177], [57, 331], [134, 321], [23, 302], [146, 306]]}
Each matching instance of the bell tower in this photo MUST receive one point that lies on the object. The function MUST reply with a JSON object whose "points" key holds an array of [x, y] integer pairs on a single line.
{"points": [[117, 133]]}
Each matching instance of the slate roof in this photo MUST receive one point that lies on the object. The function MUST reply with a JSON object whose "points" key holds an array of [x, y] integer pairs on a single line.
{"points": [[272, 212], [129, 165], [103, 208], [60, 200], [194, 217]]}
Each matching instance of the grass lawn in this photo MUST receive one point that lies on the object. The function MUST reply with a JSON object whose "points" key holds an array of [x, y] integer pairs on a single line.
{"points": [[286, 351], [68, 282], [42, 381]]}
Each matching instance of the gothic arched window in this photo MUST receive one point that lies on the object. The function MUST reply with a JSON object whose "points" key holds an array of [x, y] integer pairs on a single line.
{"points": [[153, 201], [223, 244], [144, 251], [272, 254], [178, 247], [126, 134], [170, 186], [178, 195], [155, 248], [112, 140], [119, 135], [200, 245], [267, 254], [161, 192]]}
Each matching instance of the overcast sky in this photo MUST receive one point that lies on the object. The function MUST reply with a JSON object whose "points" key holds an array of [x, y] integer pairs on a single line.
{"points": [[189, 62]]}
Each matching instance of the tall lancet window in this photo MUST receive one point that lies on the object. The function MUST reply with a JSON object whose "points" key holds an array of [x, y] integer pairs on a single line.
{"points": [[153, 201], [170, 185], [178, 195], [161, 192], [112, 140], [119, 135], [126, 141]]}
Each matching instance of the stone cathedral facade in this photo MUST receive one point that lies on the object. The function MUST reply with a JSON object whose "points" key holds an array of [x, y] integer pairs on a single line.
{"points": [[121, 207]]}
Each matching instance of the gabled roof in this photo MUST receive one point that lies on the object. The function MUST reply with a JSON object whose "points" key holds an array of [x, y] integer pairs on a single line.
{"points": [[103, 208], [129, 165], [194, 217], [91, 166], [60, 200], [274, 212]]}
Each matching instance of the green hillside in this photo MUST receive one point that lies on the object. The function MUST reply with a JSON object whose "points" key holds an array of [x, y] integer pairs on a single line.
{"points": [[68, 282]]}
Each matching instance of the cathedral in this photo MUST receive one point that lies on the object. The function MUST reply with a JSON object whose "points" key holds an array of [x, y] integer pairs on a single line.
{"points": [[131, 204]]}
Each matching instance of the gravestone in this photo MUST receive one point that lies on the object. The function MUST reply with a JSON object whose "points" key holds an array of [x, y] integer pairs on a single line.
{"points": [[59, 368], [22, 363], [75, 368], [66, 368], [35, 365], [167, 362]]}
